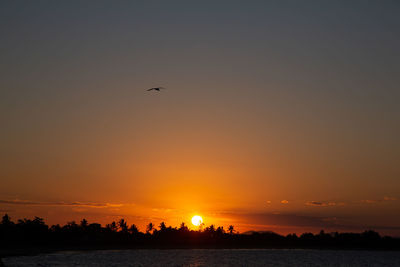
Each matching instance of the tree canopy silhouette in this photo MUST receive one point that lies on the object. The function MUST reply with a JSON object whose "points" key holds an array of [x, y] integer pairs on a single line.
{"points": [[26, 233]]}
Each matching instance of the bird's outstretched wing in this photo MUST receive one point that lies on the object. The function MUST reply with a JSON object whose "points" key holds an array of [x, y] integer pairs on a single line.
{"points": [[150, 89]]}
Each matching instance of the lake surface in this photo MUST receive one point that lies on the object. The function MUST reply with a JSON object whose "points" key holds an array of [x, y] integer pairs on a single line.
{"points": [[210, 257]]}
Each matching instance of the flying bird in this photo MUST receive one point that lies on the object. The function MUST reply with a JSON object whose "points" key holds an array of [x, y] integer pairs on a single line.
{"points": [[155, 89]]}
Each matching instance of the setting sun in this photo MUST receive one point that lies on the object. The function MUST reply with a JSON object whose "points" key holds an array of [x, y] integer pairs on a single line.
{"points": [[197, 220]]}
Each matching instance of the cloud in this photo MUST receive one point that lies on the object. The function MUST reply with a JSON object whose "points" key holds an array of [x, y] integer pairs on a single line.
{"points": [[324, 203], [162, 209], [369, 201], [70, 204], [389, 198], [384, 199], [315, 203], [284, 201]]}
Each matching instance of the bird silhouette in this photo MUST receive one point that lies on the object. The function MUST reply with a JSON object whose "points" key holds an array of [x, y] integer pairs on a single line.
{"points": [[155, 89]]}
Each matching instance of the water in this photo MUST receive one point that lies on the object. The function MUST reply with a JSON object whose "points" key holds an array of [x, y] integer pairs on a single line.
{"points": [[210, 257]]}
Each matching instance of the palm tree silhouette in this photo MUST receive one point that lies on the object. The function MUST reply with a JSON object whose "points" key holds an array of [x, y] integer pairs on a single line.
{"points": [[150, 227], [163, 226], [133, 229], [123, 226]]}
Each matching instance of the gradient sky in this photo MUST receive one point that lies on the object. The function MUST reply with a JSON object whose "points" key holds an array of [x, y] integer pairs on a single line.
{"points": [[278, 115]]}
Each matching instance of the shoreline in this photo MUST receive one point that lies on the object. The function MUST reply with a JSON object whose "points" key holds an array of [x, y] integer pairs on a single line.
{"points": [[20, 252]]}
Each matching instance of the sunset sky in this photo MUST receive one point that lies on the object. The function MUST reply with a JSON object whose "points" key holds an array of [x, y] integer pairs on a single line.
{"points": [[278, 115]]}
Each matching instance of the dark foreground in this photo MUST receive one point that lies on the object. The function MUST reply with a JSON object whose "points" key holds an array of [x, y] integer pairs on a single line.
{"points": [[211, 257], [31, 237]]}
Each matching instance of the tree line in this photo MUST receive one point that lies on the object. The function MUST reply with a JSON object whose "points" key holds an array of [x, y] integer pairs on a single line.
{"points": [[27, 233]]}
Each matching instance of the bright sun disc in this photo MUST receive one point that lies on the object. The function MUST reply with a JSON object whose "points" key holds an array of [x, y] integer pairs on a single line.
{"points": [[197, 220]]}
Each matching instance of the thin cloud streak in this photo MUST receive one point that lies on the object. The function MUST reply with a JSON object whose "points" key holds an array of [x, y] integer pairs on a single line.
{"points": [[324, 203], [373, 201], [70, 204]]}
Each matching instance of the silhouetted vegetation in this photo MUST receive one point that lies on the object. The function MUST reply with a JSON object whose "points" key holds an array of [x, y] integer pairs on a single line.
{"points": [[35, 233]]}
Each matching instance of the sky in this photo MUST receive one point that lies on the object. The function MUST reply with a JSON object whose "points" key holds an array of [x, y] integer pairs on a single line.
{"points": [[277, 115]]}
